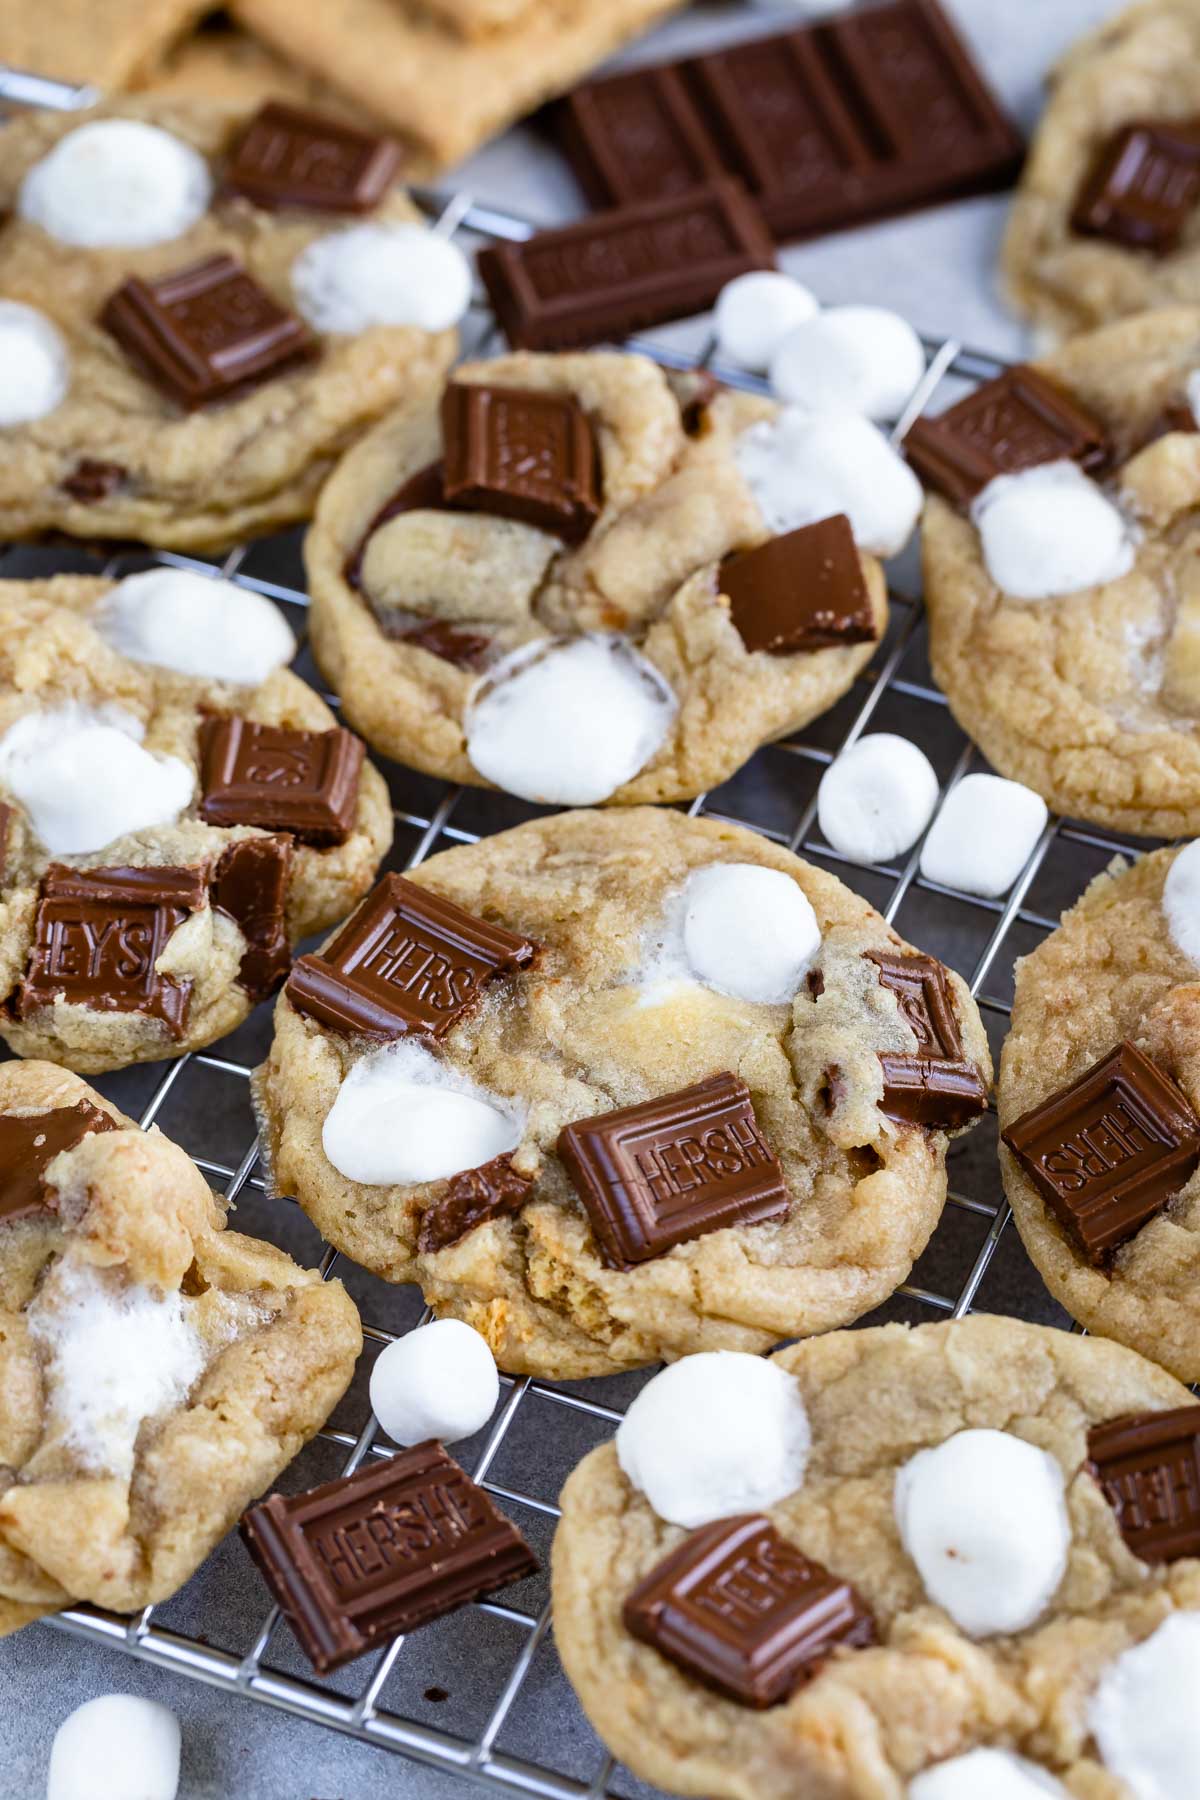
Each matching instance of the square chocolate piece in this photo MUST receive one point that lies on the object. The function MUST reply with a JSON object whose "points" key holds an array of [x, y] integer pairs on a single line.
{"points": [[1148, 1465], [303, 782], [407, 963], [936, 1092], [672, 1169], [802, 591], [31, 1142], [1014, 422], [1143, 185], [289, 157], [742, 1610], [923, 995], [1109, 1151], [473, 1197], [522, 455], [250, 884], [398, 1543], [206, 333]]}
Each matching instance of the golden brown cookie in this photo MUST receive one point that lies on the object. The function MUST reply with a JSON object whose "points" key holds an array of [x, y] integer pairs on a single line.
{"points": [[105, 43]]}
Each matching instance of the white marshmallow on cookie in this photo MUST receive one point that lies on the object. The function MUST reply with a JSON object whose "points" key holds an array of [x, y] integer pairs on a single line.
{"points": [[985, 1774], [805, 466], [766, 964], [116, 1747], [196, 624], [117, 184], [864, 358], [755, 312], [438, 1381], [1181, 901], [984, 835], [876, 798], [35, 367], [1050, 531], [381, 274], [84, 778], [1144, 1714], [403, 1116]]}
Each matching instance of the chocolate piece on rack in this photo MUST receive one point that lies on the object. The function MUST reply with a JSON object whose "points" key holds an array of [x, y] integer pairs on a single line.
{"points": [[471, 1199], [802, 591], [1143, 185], [1107, 1152], [637, 136], [422, 492], [205, 333], [938, 1092], [622, 271], [97, 935], [672, 1169], [744, 1611], [521, 454], [391, 1547], [250, 884], [304, 782], [408, 962], [1148, 1466], [920, 986], [90, 481], [28, 1144], [289, 157], [1013, 422]]}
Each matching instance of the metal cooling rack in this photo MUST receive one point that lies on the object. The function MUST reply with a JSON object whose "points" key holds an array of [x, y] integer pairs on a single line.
{"points": [[972, 1258]]}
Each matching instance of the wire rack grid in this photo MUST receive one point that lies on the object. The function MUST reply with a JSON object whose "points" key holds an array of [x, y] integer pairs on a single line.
{"points": [[775, 795]]}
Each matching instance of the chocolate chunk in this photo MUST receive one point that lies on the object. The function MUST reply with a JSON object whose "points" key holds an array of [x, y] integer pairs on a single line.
{"points": [[522, 455], [744, 1611], [288, 157], [471, 1199], [1107, 1152], [802, 591], [422, 492], [305, 782], [398, 1543], [408, 962], [90, 481], [465, 649], [29, 1143], [1014, 422], [97, 935], [250, 884], [672, 1169], [625, 270], [1148, 1465], [923, 993], [637, 137], [206, 333], [1143, 185], [934, 1091]]}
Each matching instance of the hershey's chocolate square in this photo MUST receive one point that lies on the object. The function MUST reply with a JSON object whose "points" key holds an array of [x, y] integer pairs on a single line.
{"points": [[923, 995], [802, 591], [523, 455], [1014, 422], [472, 1198], [938, 1092], [289, 157], [250, 883], [1148, 1465], [29, 1143], [1142, 186], [304, 782]]}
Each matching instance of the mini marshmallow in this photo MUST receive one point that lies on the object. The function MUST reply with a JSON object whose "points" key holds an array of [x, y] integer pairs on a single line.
{"points": [[117, 183], [984, 1517], [369, 275], [35, 369], [715, 1434], [1144, 1716], [985, 1775], [1049, 531], [748, 931], [755, 313], [196, 624], [116, 1747], [983, 836], [402, 1116], [439, 1381], [876, 798], [804, 466], [570, 720], [82, 775], [1181, 901], [864, 358]]}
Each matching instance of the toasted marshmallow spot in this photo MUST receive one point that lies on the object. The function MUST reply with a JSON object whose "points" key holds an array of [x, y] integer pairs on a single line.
{"points": [[35, 369], [1050, 531], [569, 720], [117, 183], [403, 1116], [370, 275], [985, 1775], [754, 314], [198, 625], [116, 1747], [1144, 1716], [804, 466], [864, 358], [748, 931], [438, 1381], [1181, 900], [984, 1518], [876, 798], [82, 775], [713, 1435], [984, 835]]}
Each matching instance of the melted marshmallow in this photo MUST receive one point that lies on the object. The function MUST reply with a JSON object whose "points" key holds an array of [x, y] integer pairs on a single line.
{"points": [[370, 275], [117, 183], [748, 931], [116, 1747], [715, 1434], [1181, 900], [35, 369], [985, 1775], [438, 1381], [402, 1116], [754, 314], [84, 778], [1049, 531], [569, 721], [864, 358], [804, 466], [876, 798], [200, 626], [1144, 1715], [984, 835]]}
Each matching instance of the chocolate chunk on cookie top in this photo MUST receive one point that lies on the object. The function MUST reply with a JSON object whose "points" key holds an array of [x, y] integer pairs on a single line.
{"points": [[472, 1198], [29, 1143], [1109, 1151], [521, 454], [357, 1561], [671, 1169], [937, 1087], [1148, 1465], [744, 1611], [288, 157], [923, 995], [802, 591], [250, 884], [1143, 186], [1012, 423], [304, 782]]}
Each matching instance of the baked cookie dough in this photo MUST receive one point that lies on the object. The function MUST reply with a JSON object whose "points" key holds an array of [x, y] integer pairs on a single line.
{"points": [[167, 835], [106, 43], [872, 1718], [265, 386], [601, 962], [156, 1370], [420, 617]]}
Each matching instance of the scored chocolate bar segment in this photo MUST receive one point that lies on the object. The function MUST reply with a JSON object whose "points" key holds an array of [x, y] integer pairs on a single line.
{"points": [[622, 271], [802, 591], [408, 962], [382, 1551], [250, 884], [1109, 1151], [937, 1092], [206, 333], [1148, 1466], [472, 1198], [638, 136], [521, 454], [289, 157], [744, 1611], [279, 779], [923, 995], [1143, 186], [672, 1169], [29, 1143], [1014, 422]]}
